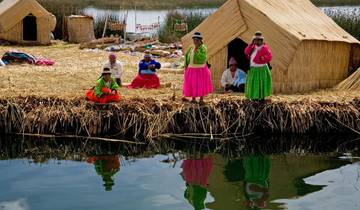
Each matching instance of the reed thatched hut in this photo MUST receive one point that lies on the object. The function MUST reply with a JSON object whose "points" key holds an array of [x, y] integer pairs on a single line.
{"points": [[25, 21], [80, 28], [310, 50]]}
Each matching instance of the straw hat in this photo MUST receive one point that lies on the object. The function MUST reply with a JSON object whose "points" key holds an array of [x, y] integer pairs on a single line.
{"points": [[106, 71], [197, 35]]}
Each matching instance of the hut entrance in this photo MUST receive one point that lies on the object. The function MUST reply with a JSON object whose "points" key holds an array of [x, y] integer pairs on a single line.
{"points": [[236, 49], [29, 28]]}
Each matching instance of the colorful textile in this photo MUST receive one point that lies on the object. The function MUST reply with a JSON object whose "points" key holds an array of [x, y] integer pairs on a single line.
{"points": [[198, 57], [44, 62], [148, 81], [197, 171], [258, 83], [103, 99], [18, 57], [100, 84], [143, 65], [197, 82], [263, 55]]}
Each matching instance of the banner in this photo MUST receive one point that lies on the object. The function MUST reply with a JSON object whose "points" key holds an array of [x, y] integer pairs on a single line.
{"points": [[147, 28]]}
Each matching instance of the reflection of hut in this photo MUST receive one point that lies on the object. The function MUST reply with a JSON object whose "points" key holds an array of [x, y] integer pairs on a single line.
{"points": [[310, 50], [80, 28], [25, 21]]}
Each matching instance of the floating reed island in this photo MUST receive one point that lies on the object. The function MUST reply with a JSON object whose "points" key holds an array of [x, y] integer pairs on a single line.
{"points": [[51, 101], [146, 118]]}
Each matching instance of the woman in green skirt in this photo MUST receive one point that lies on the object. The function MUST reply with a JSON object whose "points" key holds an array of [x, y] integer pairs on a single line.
{"points": [[258, 81]]}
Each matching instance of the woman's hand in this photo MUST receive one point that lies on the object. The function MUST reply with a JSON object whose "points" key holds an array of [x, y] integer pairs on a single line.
{"points": [[113, 92]]}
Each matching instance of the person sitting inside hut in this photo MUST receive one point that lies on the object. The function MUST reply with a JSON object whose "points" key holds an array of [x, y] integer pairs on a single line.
{"points": [[233, 78], [116, 67], [105, 90], [147, 77]]}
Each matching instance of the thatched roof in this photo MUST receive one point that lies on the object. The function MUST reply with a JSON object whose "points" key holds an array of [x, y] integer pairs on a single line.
{"points": [[13, 11], [297, 20]]}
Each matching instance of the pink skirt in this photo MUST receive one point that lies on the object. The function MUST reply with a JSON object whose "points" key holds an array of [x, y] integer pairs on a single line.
{"points": [[197, 82]]}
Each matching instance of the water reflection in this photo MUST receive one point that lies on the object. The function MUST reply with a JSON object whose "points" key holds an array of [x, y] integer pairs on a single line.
{"points": [[106, 166], [249, 177], [195, 173], [208, 180], [257, 171]]}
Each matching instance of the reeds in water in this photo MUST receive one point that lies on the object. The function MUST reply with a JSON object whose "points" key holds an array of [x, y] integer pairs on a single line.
{"points": [[167, 32], [149, 118]]}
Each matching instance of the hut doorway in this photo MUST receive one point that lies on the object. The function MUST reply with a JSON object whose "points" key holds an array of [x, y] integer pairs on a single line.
{"points": [[29, 28], [236, 49]]}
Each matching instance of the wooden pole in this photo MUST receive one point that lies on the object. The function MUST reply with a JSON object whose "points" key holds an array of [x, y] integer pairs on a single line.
{"points": [[125, 26], [105, 26]]}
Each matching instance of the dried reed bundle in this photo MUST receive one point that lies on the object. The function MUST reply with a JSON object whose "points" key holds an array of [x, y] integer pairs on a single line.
{"points": [[144, 118], [351, 83]]}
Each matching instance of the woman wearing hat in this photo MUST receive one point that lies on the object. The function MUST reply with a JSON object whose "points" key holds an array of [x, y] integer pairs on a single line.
{"points": [[197, 77], [105, 89], [147, 77], [258, 81]]}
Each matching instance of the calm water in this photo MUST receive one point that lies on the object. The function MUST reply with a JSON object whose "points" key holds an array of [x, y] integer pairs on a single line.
{"points": [[147, 17], [44, 174]]}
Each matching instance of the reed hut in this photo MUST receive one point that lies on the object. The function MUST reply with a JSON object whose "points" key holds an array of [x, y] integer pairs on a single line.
{"points": [[310, 50], [25, 21], [80, 28]]}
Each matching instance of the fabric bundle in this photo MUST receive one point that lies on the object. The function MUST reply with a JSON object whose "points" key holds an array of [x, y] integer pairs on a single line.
{"points": [[21, 57]]}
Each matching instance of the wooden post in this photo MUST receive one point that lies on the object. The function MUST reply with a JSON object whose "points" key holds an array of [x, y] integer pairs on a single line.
{"points": [[125, 25], [158, 30], [105, 26]]}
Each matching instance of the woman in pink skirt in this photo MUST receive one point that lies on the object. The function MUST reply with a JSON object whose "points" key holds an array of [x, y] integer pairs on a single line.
{"points": [[197, 77]]}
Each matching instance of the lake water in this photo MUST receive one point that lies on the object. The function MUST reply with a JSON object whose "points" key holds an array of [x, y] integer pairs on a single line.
{"points": [[44, 174], [147, 17]]}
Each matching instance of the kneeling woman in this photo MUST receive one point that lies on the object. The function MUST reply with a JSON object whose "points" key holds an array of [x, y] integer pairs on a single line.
{"points": [[105, 89], [147, 77]]}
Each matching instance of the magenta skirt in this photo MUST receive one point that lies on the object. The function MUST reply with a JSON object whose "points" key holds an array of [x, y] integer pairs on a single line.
{"points": [[197, 82]]}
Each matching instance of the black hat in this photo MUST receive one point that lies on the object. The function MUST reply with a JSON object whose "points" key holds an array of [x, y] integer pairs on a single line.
{"points": [[197, 35]]}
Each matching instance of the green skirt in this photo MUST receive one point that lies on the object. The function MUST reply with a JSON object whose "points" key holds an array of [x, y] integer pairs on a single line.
{"points": [[258, 83]]}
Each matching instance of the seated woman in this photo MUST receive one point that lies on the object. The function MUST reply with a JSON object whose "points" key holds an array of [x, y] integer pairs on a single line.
{"points": [[105, 89], [233, 78], [147, 77]]}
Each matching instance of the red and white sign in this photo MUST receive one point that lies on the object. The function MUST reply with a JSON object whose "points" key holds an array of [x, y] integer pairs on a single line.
{"points": [[147, 28]]}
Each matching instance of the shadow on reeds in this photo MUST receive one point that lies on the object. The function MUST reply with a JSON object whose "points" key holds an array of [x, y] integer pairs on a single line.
{"points": [[41, 149]]}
